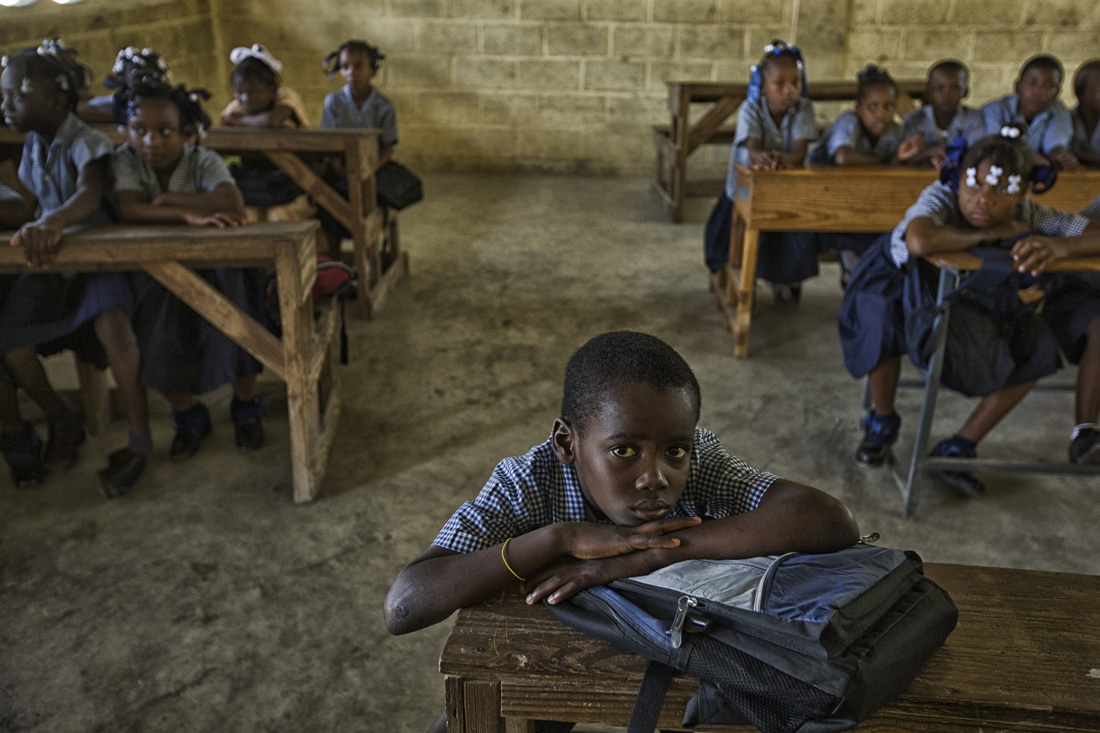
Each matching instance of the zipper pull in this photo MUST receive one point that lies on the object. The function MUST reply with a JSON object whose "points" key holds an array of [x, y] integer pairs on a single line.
{"points": [[685, 604], [868, 539]]}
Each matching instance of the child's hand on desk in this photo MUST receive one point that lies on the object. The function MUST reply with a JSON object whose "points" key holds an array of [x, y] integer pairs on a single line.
{"points": [[909, 148], [1033, 254], [591, 540], [40, 241], [765, 160], [220, 219], [566, 578], [937, 155], [1063, 160]]}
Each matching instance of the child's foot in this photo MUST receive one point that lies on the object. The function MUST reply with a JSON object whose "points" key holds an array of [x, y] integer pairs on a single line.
{"points": [[191, 427], [787, 296], [23, 452], [66, 433], [962, 481], [123, 469], [1085, 445], [879, 433], [247, 418]]}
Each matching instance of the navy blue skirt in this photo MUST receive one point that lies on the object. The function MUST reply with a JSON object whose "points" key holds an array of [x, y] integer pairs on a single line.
{"points": [[871, 321], [784, 258], [1072, 302], [181, 351]]}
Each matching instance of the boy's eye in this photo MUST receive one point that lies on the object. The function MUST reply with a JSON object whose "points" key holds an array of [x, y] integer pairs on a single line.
{"points": [[677, 452], [624, 451], [166, 131]]}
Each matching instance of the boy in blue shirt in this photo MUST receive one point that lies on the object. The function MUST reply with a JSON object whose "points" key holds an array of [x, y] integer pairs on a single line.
{"points": [[943, 117], [1086, 115], [625, 484]]}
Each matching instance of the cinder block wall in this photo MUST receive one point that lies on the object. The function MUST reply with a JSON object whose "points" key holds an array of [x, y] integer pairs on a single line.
{"points": [[564, 85]]}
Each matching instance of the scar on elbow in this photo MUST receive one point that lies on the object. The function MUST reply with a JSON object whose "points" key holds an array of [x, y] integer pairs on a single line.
{"points": [[396, 615]]}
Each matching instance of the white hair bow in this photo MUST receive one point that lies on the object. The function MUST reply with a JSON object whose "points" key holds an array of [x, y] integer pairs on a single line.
{"points": [[1010, 132], [240, 53]]}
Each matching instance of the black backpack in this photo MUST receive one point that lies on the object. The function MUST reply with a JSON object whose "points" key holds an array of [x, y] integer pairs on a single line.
{"points": [[795, 642]]}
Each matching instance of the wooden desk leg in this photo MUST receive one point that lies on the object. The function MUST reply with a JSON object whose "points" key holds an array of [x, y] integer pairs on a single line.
{"points": [[745, 292], [473, 706]]}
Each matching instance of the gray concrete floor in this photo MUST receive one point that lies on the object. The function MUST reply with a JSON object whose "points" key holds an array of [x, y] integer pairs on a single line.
{"points": [[206, 600]]}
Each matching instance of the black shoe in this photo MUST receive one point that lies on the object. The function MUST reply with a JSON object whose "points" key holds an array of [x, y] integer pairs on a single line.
{"points": [[123, 469], [962, 481], [787, 296], [247, 422], [66, 433], [23, 452], [880, 432], [191, 427], [1085, 446]]}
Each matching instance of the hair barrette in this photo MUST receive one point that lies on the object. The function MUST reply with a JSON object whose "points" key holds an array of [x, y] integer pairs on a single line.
{"points": [[257, 52], [1010, 132], [994, 175], [1013, 184], [971, 177]]}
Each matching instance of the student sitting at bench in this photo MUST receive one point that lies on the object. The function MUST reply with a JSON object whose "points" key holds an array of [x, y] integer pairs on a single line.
{"points": [[625, 484], [1086, 115], [984, 202], [775, 125], [944, 117]]}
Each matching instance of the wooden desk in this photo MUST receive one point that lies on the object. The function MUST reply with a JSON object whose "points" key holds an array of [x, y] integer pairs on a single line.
{"points": [[951, 265], [832, 199], [302, 358], [682, 137], [1025, 656], [358, 212]]}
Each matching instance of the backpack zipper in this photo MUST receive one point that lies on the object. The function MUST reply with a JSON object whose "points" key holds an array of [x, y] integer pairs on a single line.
{"points": [[676, 631], [763, 588]]}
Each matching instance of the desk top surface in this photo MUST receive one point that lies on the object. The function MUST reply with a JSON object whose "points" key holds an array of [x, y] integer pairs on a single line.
{"points": [[968, 261], [1026, 648], [248, 139], [834, 90]]}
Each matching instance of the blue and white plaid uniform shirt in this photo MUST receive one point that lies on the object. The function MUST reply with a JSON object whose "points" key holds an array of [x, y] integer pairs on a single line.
{"points": [[1092, 211], [1081, 139], [198, 170], [848, 130], [940, 204], [52, 172], [535, 490], [754, 121], [967, 122], [377, 111], [1050, 129]]}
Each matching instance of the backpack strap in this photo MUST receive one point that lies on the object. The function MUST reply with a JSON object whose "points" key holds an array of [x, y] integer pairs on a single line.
{"points": [[651, 697]]}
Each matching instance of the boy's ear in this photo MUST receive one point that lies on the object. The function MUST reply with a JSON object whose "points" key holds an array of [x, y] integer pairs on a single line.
{"points": [[563, 439]]}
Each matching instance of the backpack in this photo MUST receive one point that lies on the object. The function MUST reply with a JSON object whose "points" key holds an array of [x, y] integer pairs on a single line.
{"points": [[794, 642], [334, 279], [397, 186]]}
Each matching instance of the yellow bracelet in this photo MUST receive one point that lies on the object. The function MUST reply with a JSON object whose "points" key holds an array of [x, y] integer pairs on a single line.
{"points": [[502, 557]]}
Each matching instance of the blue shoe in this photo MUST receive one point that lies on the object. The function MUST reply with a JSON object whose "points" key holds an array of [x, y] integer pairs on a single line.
{"points": [[962, 481], [880, 432], [191, 427], [23, 452], [247, 416]]}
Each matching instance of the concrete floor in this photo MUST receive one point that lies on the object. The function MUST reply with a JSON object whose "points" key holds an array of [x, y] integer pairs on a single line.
{"points": [[206, 600]]}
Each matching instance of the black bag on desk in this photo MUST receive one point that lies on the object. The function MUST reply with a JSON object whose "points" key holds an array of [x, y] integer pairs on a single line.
{"points": [[806, 643], [398, 186], [264, 186]]}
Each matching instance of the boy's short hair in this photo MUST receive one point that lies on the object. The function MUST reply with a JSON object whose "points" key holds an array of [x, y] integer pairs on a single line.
{"points": [[617, 358], [1086, 71], [1044, 61], [952, 66]]}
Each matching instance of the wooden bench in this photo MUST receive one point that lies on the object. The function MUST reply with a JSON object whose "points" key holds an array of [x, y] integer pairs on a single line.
{"points": [[833, 199], [303, 357], [1025, 656], [291, 150], [677, 141], [951, 265]]}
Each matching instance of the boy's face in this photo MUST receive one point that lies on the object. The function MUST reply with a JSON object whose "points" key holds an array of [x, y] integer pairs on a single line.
{"points": [[986, 205], [355, 69], [876, 109], [1090, 95], [1037, 89], [154, 129], [782, 84], [945, 90], [634, 456]]}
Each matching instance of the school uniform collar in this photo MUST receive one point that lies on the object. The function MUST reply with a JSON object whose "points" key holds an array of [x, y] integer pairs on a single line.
{"points": [[67, 132], [350, 99]]}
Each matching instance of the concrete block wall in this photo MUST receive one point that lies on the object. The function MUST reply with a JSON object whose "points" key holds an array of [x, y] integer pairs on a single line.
{"points": [[564, 85]]}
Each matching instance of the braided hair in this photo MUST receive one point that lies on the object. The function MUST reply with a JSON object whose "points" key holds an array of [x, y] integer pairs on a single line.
{"points": [[774, 51], [1008, 151], [188, 101], [53, 63], [873, 76], [331, 64]]}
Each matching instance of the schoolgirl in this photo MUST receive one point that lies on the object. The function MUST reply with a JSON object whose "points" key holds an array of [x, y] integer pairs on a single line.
{"points": [[65, 164], [159, 177], [1036, 110], [943, 117], [988, 204], [260, 100], [775, 125], [357, 104], [1086, 115], [130, 64]]}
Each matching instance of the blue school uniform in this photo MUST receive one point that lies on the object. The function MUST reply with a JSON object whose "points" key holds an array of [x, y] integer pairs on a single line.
{"points": [[1050, 129], [1072, 302], [55, 311], [967, 123], [784, 257], [181, 351], [871, 321], [1081, 139], [848, 130]]}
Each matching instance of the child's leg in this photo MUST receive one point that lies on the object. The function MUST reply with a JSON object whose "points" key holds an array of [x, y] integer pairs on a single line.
{"points": [[65, 429], [19, 443], [11, 417], [1084, 446], [192, 420], [881, 425], [247, 410], [125, 465]]}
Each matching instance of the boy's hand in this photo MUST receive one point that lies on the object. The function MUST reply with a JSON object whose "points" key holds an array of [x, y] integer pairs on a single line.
{"points": [[566, 578], [1063, 160], [764, 160], [221, 219], [909, 148], [937, 155], [40, 241], [592, 540], [1034, 254]]}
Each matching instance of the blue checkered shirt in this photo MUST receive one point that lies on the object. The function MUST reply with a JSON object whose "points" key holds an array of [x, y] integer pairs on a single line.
{"points": [[535, 490], [940, 204], [848, 130], [1050, 129], [967, 123], [51, 172], [377, 111], [1092, 211], [198, 170]]}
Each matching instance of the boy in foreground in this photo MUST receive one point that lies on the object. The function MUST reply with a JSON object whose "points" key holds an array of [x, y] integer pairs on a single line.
{"points": [[626, 484]]}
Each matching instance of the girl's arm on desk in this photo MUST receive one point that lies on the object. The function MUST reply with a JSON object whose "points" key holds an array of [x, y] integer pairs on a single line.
{"points": [[1035, 253], [924, 236], [41, 239], [847, 155], [221, 207]]}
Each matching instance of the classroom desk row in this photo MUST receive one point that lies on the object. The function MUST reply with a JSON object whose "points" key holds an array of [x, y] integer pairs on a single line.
{"points": [[1024, 657], [677, 141], [304, 357], [291, 150], [832, 199]]}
